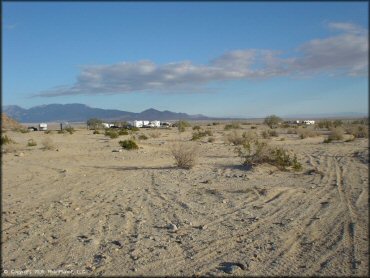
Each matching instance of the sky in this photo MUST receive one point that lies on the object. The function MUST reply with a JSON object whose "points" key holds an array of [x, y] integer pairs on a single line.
{"points": [[220, 59]]}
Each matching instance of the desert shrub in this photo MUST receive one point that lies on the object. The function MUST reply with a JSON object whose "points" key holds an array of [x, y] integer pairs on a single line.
{"points": [[336, 133], [327, 140], [123, 132], [234, 125], [272, 121], [273, 133], [31, 143], [182, 125], [62, 131], [128, 145], [211, 139], [185, 155], [215, 123], [47, 131], [282, 139], [337, 123], [142, 137], [285, 125], [201, 133], [350, 139], [94, 123], [235, 138], [48, 144], [358, 131], [6, 140], [70, 130], [197, 127], [306, 132], [96, 131], [155, 134], [253, 127], [23, 130], [255, 152], [111, 134]]}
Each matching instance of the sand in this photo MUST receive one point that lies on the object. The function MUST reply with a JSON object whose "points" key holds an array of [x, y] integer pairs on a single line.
{"points": [[85, 210]]}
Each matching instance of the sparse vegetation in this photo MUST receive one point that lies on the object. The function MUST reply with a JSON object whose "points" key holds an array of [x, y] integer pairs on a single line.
{"points": [[358, 131], [272, 121], [234, 125], [62, 131], [134, 129], [111, 133], [211, 139], [47, 131], [237, 138], [31, 143], [155, 134], [48, 144], [254, 152], [96, 131], [128, 145], [197, 127], [200, 134], [185, 155]]}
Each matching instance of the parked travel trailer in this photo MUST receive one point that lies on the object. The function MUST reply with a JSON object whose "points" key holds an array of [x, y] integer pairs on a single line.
{"points": [[43, 126], [155, 124], [309, 122], [137, 123]]}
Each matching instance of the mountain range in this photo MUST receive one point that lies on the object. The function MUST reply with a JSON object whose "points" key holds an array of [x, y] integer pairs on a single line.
{"points": [[80, 113]]}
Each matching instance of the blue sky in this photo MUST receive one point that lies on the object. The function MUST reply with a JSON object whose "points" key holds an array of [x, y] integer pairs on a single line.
{"points": [[240, 59]]}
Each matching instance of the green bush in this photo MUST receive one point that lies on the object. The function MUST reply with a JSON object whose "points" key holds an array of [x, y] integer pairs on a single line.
{"points": [[128, 145], [272, 121], [255, 152], [182, 125], [31, 143], [111, 134], [94, 123]]}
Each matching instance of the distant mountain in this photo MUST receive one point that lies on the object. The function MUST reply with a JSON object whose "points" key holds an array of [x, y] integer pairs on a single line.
{"points": [[80, 113]]}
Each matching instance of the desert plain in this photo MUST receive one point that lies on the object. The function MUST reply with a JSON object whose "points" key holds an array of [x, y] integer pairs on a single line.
{"points": [[89, 208]]}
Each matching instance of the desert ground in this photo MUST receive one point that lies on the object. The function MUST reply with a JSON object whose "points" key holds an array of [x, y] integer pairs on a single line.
{"points": [[87, 208]]}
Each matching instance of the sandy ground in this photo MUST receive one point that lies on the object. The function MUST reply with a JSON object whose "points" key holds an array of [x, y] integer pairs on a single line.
{"points": [[87, 210]]}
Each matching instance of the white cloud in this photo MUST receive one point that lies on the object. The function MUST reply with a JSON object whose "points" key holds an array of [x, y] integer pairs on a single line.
{"points": [[345, 53]]}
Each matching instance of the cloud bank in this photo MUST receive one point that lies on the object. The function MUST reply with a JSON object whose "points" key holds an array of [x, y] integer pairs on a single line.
{"points": [[343, 54]]}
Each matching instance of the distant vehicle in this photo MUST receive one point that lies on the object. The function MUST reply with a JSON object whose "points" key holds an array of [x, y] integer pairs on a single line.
{"points": [[155, 124], [43, 126], [32, 128], [308, 122]]}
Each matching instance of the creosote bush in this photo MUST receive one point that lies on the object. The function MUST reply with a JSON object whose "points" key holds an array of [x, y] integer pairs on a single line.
{"points": [[96, 131], [211, 139], [185, 155], [123, 132], [272, 121], [255, 152], [197, 127], [182, 125], [237, 138], [48, 132], [358, 131], [155, 134], [200, 134], [31, 143], [128, 145]]}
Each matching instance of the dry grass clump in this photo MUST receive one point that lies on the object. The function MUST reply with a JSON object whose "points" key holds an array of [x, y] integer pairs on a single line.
{"points": [[211, 139], [6, 140], [200, 134], [123, 132], [291, 131], [96, 131], [306, 132], [111, 134], [197, 127], [269, 133], [142, 137], [182, 125], [70, 130], [48, 144], [185, 155], [255, 152]]}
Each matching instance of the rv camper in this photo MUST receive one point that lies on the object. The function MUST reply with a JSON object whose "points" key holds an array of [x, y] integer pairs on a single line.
{"points": [[43, 126]]}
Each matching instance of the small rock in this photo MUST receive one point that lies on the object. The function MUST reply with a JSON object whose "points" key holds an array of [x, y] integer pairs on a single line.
{"points": [[20, 154], [172, 227], [224, 201], [203, 227]]}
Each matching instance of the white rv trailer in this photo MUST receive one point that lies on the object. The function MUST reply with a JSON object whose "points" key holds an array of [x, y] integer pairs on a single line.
{"points": [[155, 124], [43, 126], [137, 123], [309, 122]]}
